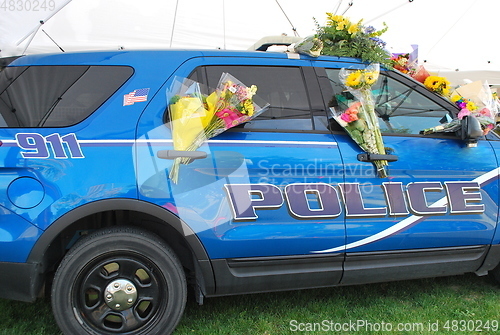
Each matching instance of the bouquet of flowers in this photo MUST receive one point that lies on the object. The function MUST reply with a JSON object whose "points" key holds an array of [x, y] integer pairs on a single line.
{"points": [[344, 38], [196, 118], [402, 63], [478, 103], [360, 120], [310, 45], [420, 74], [473, 99]]}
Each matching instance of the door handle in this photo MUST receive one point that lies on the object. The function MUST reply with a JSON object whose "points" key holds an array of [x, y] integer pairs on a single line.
{"points": [[368, 157], [173, 154]]}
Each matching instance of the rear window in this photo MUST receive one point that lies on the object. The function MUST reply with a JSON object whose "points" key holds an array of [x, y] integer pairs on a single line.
{"points": [[56, 96]]}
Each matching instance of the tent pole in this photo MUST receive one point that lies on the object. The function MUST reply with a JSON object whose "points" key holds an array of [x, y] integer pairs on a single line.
{"points": [[224, 22], [34, 31], [173, 24], [33, 34]]}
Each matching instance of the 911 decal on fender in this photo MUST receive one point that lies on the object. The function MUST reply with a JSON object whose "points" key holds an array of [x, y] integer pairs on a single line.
{"points": [[38, 146]]}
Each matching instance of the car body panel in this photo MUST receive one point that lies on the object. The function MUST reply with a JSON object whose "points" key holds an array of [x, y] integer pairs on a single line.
{"points": [[414, 167], [281, 207]]}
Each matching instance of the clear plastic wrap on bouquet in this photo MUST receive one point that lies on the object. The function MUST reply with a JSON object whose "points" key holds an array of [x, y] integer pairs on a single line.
{"points": [[235, 104], [360, 120], [475, 99], [196, 118], [310, 45], [420, 74]]}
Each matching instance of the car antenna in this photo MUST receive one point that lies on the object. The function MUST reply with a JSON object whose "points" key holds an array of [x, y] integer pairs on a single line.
{"points": [[293, 28], [33, 32], [53, 41], [349, 6]]}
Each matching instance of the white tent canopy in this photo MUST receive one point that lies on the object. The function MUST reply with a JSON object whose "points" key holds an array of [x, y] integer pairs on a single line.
{"points": [[113, 24], [454, 37]]}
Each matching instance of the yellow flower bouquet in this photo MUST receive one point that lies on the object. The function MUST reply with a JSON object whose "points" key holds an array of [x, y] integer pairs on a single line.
{"points": [[345, 38], [360, 120], [195, 117]]}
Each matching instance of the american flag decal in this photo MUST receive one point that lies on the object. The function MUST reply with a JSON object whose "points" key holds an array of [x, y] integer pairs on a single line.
{"points": [[139, 95]]}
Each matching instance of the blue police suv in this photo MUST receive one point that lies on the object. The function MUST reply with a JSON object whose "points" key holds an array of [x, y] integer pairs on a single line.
{"points": [[285, 201]]}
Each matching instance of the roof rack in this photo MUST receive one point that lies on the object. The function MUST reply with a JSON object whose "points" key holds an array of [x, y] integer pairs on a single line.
{"points": [[264, 43]]}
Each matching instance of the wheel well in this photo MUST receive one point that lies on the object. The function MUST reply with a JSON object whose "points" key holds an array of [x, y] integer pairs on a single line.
{"points": [[62, 242]]}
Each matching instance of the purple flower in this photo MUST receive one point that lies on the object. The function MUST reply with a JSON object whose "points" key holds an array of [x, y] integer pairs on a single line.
{"points": [[378, 41], [369, 30]]}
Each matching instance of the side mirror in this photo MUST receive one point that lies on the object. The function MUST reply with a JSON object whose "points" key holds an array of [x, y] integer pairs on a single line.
{"points": [[470, 131]]}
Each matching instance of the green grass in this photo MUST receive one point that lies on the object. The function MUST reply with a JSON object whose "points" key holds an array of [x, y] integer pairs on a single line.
{"points": [[419, 302]]}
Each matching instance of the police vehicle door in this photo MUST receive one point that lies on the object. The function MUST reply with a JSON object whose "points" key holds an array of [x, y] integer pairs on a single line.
{"points": [[436, 213], [261, 201]]}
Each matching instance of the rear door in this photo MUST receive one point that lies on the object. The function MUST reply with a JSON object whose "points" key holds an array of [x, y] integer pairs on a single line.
{"points": [[261, 201], [436, 213], [48, 149]]}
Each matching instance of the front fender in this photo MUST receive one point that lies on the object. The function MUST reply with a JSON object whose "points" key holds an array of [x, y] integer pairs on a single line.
{"points": [[200, 256]]}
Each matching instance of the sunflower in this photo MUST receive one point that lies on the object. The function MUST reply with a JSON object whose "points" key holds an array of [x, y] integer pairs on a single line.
{"points": [[432, 82], [354, 79], [438, 84], [370, 78], [445, 90]]}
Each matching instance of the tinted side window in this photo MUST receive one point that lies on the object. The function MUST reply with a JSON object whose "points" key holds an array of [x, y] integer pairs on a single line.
{"points": [[400, 108], [282, 87], [56, 96]]}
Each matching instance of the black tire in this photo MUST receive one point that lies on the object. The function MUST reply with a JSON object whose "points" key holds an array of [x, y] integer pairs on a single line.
{"points": [[495, 274], [93, 289]]}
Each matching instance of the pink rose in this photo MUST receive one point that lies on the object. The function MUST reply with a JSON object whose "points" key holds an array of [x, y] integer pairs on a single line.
{"points": [[354, 108], [485, 111], [349, 117], [345, 117], [487, 129], [462, 113]]}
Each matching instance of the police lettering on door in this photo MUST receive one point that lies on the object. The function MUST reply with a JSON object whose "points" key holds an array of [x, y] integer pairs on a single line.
{"points": [[461, 197]]}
